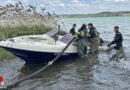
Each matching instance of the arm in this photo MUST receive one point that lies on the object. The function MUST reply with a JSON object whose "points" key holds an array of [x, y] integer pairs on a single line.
{"points": [[90, 34], [117, 38], [78, 35]]}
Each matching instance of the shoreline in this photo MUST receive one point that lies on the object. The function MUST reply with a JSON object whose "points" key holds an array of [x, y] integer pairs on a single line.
{"points": [[90, 16]]}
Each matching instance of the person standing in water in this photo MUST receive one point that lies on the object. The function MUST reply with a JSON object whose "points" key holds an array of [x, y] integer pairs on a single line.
{"points": [[93, 39], [81, 37], [118, 39], [72, 30]]}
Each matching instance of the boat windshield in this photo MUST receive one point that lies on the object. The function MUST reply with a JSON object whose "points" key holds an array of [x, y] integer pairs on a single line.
{"points": [[51, 33], [67, 38]]}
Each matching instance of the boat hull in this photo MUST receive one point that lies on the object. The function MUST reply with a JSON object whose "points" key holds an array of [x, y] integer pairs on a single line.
{"points": [[37, 56]]}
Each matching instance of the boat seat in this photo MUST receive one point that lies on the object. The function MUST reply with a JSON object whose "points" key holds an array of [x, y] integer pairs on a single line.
{"points": [[51, 41]]}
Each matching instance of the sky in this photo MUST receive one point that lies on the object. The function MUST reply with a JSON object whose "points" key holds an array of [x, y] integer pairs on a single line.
{"points": [[76, 6]]}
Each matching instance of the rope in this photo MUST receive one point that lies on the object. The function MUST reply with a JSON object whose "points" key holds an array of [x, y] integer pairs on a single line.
{"points": [[40, 70]]}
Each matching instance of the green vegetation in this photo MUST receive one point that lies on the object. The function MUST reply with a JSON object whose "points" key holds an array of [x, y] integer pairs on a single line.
{"points": [[19, 20], [102, 14], [109, 14], [9, 32], [5, 55]]}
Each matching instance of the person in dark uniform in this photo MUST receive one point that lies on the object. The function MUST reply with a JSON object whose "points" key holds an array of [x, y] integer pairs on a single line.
{"points": [[72, 30], [93, 39], [118, 39], [81, 37]]}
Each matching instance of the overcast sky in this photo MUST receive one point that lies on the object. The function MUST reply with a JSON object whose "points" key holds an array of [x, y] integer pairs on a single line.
{"points": [[76, 6]]}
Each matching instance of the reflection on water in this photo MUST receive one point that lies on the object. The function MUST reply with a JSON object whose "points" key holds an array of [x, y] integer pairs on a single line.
{"points": [[119, 54], [108, 70], [30, 68], [79, 71]]}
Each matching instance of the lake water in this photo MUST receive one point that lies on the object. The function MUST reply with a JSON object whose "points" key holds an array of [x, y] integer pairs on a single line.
{"points": [[108, 70]]}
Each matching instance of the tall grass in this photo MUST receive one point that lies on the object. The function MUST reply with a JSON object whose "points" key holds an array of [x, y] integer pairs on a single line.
{"points": [[17, 20], [5, 55], [13, 31]]}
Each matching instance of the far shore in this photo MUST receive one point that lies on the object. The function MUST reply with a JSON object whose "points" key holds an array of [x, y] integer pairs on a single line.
{"points": [[102, 14]]}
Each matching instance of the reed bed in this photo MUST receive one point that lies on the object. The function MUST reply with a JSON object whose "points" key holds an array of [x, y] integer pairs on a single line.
{"points": [[18, 20], [9, 32]]}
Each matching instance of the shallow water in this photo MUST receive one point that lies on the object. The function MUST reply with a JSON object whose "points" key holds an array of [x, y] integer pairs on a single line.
{"points": [[105, 71]]}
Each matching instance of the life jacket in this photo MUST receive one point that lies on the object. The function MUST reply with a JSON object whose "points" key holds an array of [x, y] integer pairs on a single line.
{"points": [[82, 34], [93, 32]]}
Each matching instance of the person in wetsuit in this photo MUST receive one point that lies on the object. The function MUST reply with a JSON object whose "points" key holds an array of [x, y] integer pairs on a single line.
{"points": [[118, 39], [72, 30]]}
